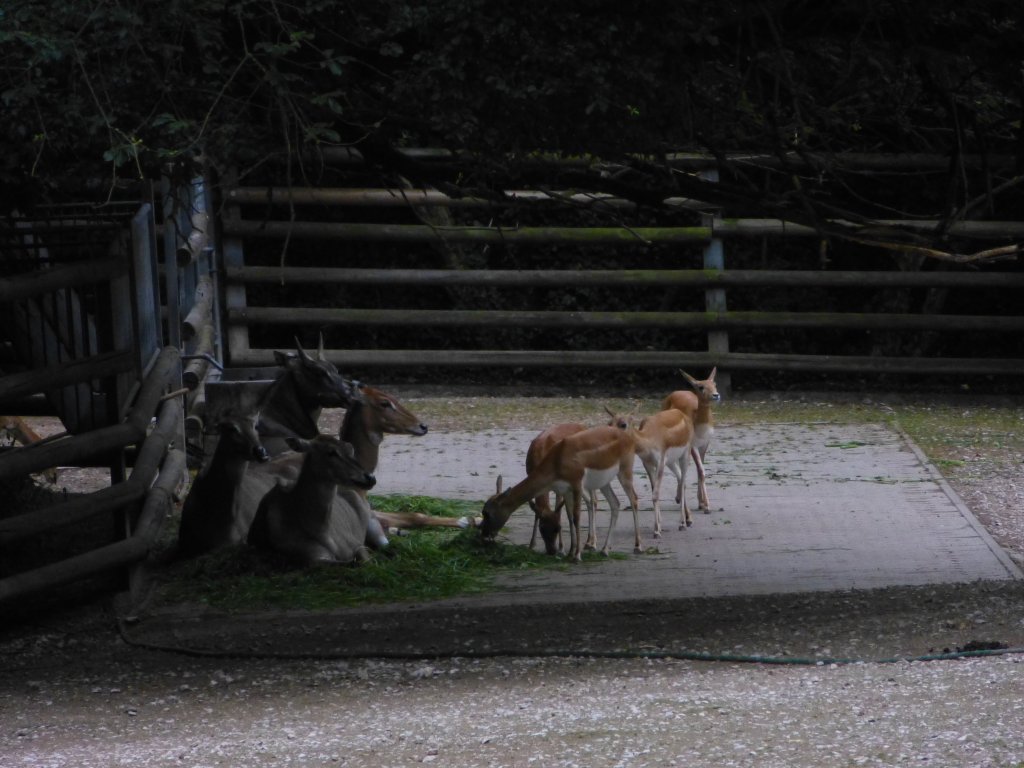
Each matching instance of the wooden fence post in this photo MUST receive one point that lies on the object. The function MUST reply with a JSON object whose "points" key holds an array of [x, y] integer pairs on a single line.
{"points": [[234, 293], [714, 298]]}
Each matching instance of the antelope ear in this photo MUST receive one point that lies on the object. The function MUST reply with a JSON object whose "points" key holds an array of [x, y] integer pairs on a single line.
{"points": [[498, 485], [281, 358]]}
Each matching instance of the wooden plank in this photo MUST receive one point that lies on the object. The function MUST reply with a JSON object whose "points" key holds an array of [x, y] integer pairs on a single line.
{"points": [[860, 364], [158, 505], [483, 318], [64, 374], [877, 162], [146, 287], [31, 284], [234, 293], [398, 197], [418, 233], [559, 278]]}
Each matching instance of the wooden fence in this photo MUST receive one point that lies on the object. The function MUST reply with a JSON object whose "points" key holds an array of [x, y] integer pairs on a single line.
{"points": [[299, 227], [100, 310]]}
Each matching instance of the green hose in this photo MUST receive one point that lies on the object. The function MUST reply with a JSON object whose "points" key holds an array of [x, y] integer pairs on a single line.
{"points": [[557, 653]]}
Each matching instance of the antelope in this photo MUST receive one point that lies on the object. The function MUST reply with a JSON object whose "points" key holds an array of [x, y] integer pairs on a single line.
{"points": [[697, 405], [541, 505], [20, 432], [375, 414], [220, 506], [292, 404], [307, 521], [664, 439], [584, 460]]}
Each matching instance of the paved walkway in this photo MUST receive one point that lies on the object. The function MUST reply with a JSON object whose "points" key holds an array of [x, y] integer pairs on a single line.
{"points": [[795, 508]]}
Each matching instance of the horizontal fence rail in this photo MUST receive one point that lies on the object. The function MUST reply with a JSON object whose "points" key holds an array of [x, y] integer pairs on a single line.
{"points": [[373, 302]]}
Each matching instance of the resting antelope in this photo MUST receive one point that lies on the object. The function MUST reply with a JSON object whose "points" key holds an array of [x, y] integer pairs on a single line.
{"points": [[375, 414], [664, 439], [221, 502], [697, 405], [292, 404], [586, 460], [307, 521]]}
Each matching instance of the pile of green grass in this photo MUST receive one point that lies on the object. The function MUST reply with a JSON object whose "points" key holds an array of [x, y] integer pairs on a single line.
{"points": [[426, 564]]}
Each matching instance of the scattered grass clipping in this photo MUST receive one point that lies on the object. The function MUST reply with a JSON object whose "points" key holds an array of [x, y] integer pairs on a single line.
{"points": [[420, 565]]}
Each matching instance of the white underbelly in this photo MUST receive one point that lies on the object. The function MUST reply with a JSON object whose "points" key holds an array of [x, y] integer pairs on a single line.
{"points": [[593, 479], [674, 453]]}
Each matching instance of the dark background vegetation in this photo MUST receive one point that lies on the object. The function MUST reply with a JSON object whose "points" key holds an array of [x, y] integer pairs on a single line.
{"points": [[98, 94]]}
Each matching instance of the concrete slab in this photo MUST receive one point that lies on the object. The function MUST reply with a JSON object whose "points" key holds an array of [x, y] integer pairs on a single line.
{"points": [[795, 508]]}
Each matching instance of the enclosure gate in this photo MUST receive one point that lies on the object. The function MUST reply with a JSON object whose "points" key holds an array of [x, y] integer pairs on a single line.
{"points": [[84, 324]]}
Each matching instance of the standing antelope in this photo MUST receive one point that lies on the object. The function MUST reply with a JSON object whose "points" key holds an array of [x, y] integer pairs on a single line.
{"points": [[697, 405], [586, 460], [664, 439], [307, 521], [220, 506]]}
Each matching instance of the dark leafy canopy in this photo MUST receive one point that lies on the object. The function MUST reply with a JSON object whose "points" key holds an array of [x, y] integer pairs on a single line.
{"points": [[95, 89]]}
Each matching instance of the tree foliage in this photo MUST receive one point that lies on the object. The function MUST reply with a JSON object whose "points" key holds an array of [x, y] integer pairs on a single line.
{"points": [[97, 90]]}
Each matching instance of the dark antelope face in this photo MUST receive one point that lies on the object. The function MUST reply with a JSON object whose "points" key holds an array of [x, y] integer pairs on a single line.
{"points": [[318, 380], [334, 460], [706, 390], [240, 429], [550, 526], [493, 517]]}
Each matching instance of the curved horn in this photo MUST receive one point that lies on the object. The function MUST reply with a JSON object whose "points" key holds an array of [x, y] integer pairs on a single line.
{"points": [[302, 353], [320, 347], [498, 490]]}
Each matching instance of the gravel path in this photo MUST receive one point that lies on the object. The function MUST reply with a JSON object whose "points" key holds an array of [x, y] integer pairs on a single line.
{"points": [[73, 692]]}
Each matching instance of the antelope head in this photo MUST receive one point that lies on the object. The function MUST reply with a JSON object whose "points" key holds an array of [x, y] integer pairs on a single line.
{"points": [[318, 379], [388, 415], [240, 430], [493, 516], [706, 389], [330, 458]]}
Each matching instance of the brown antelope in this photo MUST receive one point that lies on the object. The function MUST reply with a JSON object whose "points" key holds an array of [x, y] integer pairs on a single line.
{"points": [[697, 405], [292, 404], [307, 521], [19, 431], [541, 505], [664, 439], [586, 460], [375, 414], [220, 506]]}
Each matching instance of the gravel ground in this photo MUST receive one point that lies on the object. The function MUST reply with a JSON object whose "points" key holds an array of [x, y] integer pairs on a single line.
{"points": [[73, 692]]}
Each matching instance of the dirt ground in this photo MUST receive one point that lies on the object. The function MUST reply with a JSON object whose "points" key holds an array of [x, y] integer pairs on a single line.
{"points": [[596, 684]]}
